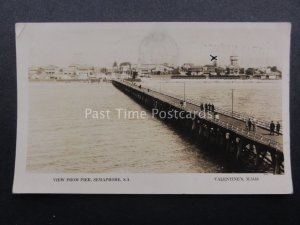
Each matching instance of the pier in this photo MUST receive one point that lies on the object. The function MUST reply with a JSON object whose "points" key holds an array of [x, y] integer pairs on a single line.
{"points": [[256, 150]]}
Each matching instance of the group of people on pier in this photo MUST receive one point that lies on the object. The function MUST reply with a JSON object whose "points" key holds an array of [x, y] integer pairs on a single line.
{"points": [[274, 128], [251, 124], [207, 107], [210, 107]]}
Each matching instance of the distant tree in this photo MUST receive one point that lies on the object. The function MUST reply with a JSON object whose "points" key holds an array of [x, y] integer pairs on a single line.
{"points": [[227, 71], [242, 70], [115, 64], [250, 71], [175, 71], [103, 70], [274, 68]]}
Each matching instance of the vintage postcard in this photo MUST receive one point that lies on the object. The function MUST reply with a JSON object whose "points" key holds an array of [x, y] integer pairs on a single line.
{"points": [[153, 108]]}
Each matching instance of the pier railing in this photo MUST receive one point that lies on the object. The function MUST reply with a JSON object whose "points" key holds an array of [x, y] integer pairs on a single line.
{"points": [[254, 136], [241, 131], [237, 115]]}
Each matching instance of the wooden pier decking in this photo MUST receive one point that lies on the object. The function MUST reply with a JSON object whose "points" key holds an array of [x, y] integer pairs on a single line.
{"points": [[229, 130]]}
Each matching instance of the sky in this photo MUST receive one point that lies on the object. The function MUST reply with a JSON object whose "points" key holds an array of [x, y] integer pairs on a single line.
{"points": [[100, 44]]}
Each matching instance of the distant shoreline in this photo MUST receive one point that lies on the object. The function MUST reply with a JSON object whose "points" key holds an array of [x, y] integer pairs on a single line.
{"points": [[167, 78]]}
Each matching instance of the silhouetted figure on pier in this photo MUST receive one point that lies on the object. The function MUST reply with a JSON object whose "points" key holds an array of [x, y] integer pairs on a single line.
{"points": [[209, 106], [277, 128], [201, 107], [216, 117], [140, 86], [206, 107], [212, 107], [183, 104], [272, 128], [249, 124], [254, 124]]}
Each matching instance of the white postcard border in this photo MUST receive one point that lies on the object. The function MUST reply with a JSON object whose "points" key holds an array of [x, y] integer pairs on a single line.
{"points": [[144, 183]]}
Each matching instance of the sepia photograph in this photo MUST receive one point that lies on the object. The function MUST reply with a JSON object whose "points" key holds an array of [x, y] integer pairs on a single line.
{"points": [[121, 103]]}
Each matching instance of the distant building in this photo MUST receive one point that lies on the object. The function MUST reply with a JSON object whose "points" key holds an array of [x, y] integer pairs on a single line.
{"points": [[186, 66], [52, 71], [73, 67], [195, 70], [85, 72], [272, 75], [147, 69], [234, 61], [33, 70], [125, 68], [68, 72], [115, 68], [209, 69], [221, 71], [163, 68], [233, 68], [215, 64]]}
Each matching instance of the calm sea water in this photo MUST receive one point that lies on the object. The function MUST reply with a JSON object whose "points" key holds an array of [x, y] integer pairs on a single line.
{"points": [[61, 139]]}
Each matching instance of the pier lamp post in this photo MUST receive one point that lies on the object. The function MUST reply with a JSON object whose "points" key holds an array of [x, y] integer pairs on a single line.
{"points": [[232, 102], [183, 89]]}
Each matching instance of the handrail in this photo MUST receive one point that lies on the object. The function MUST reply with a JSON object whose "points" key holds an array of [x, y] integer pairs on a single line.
{"points": [[237, 115], [254, 136]]}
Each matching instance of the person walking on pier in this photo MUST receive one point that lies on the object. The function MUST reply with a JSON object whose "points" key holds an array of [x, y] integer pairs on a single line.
{"points": [[206, 107], [272, 128], [217, 117], [249, 124], [254, 124], [209, 106], [212, 107], [277, 127], [201, 107], [183, 104]]}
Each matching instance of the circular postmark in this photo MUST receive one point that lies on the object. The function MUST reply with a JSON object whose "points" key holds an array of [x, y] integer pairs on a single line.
{"points": [[158, 48]]}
